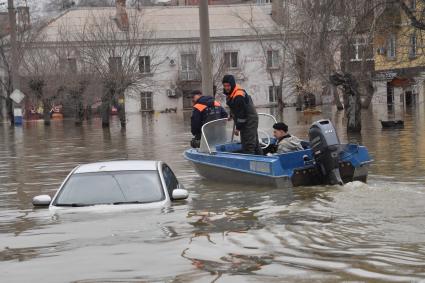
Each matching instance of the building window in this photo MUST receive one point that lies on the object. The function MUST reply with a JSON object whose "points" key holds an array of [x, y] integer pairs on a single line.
{"points": [[146, 101], [357, 49], [115, 65], [274, 93], [188, 62], [145, 64], [68, 65], [188, 70], [413, 43], [272, 59], [391, 47], [231, 60], [361, 49]]}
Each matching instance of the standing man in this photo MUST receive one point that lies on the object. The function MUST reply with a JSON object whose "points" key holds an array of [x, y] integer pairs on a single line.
{"points": [[205, 109], [243, 112]]}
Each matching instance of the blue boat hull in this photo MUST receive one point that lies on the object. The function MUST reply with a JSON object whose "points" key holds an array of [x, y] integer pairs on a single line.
{"points": [[285, 170]]}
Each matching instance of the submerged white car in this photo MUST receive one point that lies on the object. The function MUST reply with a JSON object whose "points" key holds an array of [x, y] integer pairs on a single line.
{"points": [[147, 183]]}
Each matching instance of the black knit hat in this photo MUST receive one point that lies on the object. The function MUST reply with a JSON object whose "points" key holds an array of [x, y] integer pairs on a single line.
{"points": [[281, 126], [230, 80]]}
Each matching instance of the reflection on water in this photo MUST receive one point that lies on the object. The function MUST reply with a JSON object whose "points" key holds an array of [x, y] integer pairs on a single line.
{"points": [[224, 233]]}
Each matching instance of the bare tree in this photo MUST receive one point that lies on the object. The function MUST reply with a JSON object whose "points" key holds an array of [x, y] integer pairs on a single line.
{"points": [[6, 79], [274, 46], [23, 38], [190, 75], [319, 36], [39, 69], [416, 19], [120, 54]]}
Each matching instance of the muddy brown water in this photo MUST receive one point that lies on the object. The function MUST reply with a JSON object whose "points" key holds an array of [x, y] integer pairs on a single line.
{"points": [[224, 232]]}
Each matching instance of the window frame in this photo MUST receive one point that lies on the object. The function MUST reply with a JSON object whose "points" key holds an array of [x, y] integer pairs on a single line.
{"points": [[185, 62], [274, 92], [273, 59], [115, 64], [146, 103], [413, 47], [145, 68], [392, 47], [69, 179], [360, 45], [229, 63]]}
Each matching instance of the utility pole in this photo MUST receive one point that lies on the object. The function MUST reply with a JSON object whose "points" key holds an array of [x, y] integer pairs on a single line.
{"points": [[204, 29], [14, 49]]}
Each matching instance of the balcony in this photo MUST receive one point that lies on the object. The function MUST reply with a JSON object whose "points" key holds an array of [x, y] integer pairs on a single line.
{"points": [[189, 76]]}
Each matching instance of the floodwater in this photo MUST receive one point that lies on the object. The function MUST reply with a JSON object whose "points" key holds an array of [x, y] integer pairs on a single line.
{"points": [[358, 232]]}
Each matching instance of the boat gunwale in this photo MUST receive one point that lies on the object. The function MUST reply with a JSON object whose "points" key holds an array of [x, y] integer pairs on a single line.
{"points": [[232, 168]]}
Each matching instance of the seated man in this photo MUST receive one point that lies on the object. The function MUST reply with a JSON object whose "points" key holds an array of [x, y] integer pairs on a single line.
{"points": [[284, 141], [205, 109]]}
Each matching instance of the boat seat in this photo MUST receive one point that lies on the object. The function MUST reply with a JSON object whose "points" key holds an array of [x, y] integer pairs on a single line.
{"points": [[229, 147]]}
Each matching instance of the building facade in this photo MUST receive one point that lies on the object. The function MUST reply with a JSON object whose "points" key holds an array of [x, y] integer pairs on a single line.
{"points": [[399, 56], [196, 2], [168, 65]]}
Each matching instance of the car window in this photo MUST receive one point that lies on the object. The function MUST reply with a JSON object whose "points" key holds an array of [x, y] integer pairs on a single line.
{"points": [[111, 187], [170, 179]]}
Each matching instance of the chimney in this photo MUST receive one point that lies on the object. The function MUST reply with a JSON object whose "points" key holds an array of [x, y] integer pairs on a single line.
{"points": [[121, 15], [23, 18]]}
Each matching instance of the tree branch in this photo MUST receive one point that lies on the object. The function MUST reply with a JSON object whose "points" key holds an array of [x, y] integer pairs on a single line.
{"points": [[412, 17]]}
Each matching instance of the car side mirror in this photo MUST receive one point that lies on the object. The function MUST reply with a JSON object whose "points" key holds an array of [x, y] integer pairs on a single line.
{"points": [[180, 194], [41, 200]]}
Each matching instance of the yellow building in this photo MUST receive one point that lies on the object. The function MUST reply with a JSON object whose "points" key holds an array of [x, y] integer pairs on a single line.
{"points": [[399, 57]]}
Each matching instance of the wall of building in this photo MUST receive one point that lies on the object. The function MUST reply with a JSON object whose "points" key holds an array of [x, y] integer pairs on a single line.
{"points": [[402, 32], [380, 94], [252, 75], [210, 2]]}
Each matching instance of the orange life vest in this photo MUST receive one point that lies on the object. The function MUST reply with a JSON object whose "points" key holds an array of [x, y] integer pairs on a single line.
{"points": [[202, 107], [238, 91]]}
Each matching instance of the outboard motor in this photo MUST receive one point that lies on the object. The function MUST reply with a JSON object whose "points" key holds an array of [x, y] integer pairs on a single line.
{"points": [[326, 148]]}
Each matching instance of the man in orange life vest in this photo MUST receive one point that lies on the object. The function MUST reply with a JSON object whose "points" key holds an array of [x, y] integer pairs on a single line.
{"points": [[205, 109], [243, 112]]}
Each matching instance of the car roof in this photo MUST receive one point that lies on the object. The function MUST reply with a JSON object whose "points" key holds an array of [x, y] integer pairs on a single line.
{"points": [[124, 165]]}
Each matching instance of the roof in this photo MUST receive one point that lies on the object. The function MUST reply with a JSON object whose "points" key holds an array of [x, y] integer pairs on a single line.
{"points": [[176, 22], [124, 165]]}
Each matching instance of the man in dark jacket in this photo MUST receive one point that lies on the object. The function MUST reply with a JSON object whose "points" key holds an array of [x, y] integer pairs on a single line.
{"points": [[205, 109], [244, 114]]}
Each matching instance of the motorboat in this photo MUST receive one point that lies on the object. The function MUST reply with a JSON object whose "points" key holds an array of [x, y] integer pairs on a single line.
{"points": [[323, 160]]}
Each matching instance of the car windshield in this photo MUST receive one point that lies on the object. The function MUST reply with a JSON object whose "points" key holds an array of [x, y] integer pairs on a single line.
{"points": [[111, 188]]}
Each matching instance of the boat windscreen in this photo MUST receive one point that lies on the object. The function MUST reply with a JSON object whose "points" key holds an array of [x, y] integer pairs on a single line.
{"points": [[214, 133], [265, 125], [220, 131]]}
